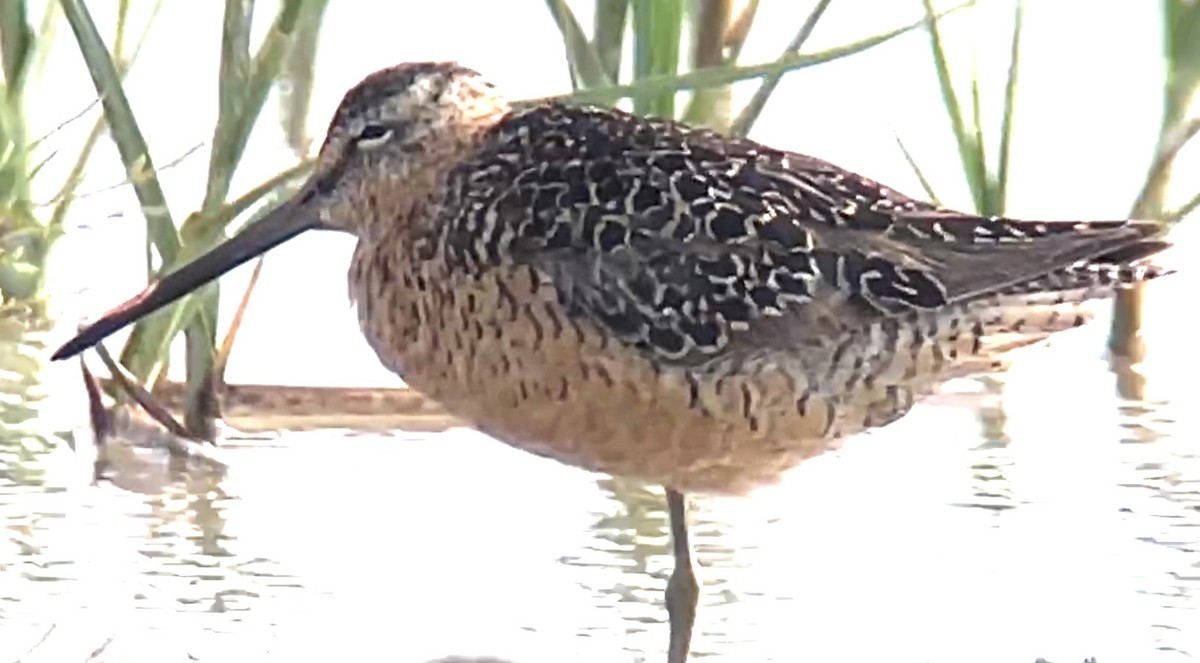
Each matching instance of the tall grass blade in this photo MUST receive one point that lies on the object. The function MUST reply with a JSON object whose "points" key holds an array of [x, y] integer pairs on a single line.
{"points": [[1184, 210], [609, 35], [135, 156], [233, 131], [711, 107], [967, 149], [143, 398], [1180, 24], [984, 202], [234, 73], [17, 43], [66, 194], [712, 76], [17, 46], [130, 143], [584, 61], [231, 89], [1010, 93], [226, 348], [749, 115], [1181, 46], [298, 71], [739, 30], [912, 163], [657, 27], [47, 34], [1152, 197]]}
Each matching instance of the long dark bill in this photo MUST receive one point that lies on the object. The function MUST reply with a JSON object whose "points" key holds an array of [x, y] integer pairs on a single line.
{"points": [[279, 225]]}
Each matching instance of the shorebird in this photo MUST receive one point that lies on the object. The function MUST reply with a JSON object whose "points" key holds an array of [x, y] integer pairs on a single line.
{"points": [[642, 298]]}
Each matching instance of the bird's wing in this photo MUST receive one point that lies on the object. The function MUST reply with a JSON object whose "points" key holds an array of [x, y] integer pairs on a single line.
{"points": [[677, 240]]}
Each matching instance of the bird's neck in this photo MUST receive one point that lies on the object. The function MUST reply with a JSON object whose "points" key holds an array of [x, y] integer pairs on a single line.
{"points": [[391, 290], [398, 275]]}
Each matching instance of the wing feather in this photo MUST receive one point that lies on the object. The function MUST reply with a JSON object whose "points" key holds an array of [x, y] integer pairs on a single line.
{"points": [[680, 241]]}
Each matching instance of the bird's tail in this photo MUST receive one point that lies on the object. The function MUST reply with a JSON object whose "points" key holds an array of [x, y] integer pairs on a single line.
{"points": [[971, 336], [1057, 301], [1029, 312]]}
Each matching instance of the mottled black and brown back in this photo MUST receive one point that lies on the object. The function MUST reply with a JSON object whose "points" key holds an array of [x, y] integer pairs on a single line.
{"points": [[651, 300]]}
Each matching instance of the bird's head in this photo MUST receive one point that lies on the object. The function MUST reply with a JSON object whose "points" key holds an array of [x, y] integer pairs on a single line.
{"points": [[392, 137], [395, 132]]}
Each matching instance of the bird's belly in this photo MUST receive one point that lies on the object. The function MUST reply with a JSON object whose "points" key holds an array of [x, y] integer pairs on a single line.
{"points": [[598, 405], [524, 372], [603, 417]]}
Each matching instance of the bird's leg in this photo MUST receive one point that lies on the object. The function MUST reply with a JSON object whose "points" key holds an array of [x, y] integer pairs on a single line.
{"points": [[683, 592]]}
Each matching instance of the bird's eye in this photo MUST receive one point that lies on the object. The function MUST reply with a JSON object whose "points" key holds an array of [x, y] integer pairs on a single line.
{"points": [[373, 135]]}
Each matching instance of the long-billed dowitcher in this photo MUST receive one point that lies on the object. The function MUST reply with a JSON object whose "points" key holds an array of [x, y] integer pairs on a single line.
{"points": [[647, 299]]}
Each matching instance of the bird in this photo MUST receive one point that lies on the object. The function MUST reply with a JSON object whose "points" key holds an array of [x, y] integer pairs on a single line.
{"points": [[648, 299]]}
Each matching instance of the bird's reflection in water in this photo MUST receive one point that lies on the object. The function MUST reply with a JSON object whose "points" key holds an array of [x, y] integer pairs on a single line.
{"points": [[628, 560]]}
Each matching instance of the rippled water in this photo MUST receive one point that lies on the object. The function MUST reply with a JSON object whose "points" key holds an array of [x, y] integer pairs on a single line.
{"points": [[1055, 520]]}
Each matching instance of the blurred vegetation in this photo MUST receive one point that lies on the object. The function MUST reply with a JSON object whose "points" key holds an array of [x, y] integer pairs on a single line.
{"points": [[987, 182], [27, 230], [705, 64], [243, 83], [22, 237], [670, 58]]}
